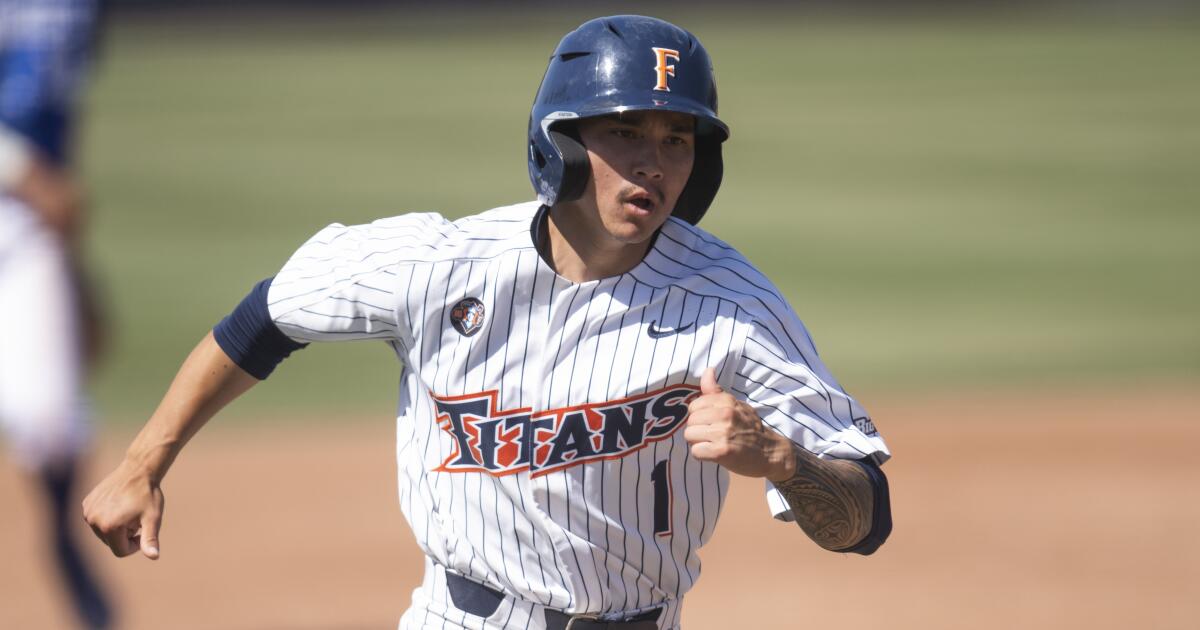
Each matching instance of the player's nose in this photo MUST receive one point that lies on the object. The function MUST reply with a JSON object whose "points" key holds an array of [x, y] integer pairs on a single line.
{"points": [[648, 160]]}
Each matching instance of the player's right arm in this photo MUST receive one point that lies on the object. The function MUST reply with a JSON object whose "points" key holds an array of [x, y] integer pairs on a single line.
{"points": [[126, 508], [338, 286]]}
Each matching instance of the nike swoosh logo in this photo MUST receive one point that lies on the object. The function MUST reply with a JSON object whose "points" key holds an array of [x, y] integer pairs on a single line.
{"points": [[658, 333]]}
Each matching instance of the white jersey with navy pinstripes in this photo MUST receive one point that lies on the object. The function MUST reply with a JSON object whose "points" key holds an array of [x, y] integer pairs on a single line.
{"points": [[539, 424]]}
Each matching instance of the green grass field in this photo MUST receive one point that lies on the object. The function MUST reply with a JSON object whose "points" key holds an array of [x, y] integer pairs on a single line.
{"points": [[947, 205]]}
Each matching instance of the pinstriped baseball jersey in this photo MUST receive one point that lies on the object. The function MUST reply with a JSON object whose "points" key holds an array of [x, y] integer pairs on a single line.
{"points": [[539, 424]]}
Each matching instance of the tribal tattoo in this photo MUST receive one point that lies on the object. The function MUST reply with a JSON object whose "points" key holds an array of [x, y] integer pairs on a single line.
{"points": [[831, 499]]}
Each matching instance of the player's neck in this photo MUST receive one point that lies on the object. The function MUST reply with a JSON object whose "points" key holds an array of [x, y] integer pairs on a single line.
{"points": [[580, 256]]}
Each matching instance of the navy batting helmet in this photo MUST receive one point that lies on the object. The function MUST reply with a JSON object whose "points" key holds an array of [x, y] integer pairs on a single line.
{"points": [[618, 64]]}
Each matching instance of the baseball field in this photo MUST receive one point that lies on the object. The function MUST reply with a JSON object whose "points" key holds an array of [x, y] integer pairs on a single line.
{"points": [[989, 224]]}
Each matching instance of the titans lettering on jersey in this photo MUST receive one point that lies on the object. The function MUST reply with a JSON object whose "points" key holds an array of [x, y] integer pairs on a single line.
{"points": [[538, 440], [506, 442]]}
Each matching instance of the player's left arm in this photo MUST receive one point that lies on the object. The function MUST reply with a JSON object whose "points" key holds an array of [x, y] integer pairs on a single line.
{"points": [[833, 500]]}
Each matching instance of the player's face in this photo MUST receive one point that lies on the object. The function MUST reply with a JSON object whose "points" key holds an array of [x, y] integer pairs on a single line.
{"points": [[640, 164]]}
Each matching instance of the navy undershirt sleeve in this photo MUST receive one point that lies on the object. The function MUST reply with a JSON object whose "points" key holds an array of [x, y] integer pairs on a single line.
{"points": [[250, 337], [881, 519]]}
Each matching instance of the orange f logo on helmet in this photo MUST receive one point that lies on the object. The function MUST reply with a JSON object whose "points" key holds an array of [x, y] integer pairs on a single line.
{"points": [[661, 69]]}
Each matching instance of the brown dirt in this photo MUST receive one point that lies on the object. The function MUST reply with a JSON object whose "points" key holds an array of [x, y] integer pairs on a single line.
{"points": [[1017, 511]]}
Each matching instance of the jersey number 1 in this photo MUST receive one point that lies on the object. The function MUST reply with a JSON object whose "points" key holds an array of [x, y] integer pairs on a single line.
{"points": [[661, 478]]}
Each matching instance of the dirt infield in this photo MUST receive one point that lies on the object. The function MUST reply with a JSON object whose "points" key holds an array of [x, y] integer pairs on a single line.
{"points": [[1078, 511]]}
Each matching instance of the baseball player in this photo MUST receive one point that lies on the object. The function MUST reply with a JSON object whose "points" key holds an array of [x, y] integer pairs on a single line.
{"points": [[581, 373], [44, 46]]}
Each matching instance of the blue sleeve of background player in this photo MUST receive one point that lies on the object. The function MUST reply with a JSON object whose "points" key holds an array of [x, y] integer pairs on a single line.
{"points": [[43, 56]]}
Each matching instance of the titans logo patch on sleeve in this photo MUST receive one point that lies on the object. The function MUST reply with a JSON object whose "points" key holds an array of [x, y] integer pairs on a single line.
{"points": [[467, 316]]}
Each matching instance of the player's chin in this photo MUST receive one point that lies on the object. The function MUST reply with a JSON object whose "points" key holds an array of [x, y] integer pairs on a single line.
{"points": [[636, 225], [632, 233]]}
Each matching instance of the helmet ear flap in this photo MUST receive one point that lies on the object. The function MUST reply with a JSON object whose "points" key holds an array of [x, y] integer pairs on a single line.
{"points": [[576, 167], [704, 181]]}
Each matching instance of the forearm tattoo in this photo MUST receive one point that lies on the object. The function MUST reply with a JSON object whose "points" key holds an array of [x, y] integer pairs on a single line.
{"points": [[831, 500]]}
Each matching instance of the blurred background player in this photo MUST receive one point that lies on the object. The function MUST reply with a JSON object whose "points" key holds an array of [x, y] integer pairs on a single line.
{"points": [[48, 329]]}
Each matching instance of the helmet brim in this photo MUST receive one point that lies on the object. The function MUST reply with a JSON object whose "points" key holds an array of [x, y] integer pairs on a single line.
{"points": [[707, 122]]}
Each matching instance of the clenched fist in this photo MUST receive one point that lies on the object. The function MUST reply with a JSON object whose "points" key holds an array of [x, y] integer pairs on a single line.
{"points": [[722, 429], [125, 511]]}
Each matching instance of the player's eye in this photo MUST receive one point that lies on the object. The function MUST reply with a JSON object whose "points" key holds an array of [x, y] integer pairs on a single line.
{"points": [[676, 140], [624, 132]]}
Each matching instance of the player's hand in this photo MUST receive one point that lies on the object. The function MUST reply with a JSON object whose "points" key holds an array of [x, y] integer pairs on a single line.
{"points": [[723, 429], [125, 511]]}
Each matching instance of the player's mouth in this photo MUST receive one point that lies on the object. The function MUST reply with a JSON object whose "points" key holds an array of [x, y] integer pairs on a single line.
{"points": [[641, 202]]}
